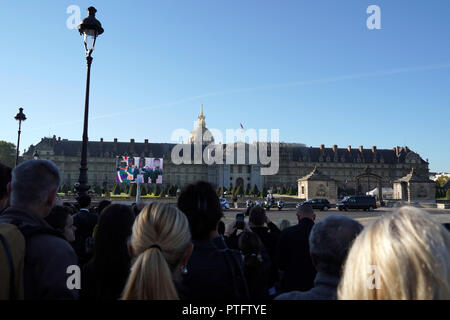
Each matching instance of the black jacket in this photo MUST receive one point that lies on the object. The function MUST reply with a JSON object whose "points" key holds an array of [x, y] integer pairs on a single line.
{"points": [[214, 274], [293, 258], [85, 222], [269, 237]]}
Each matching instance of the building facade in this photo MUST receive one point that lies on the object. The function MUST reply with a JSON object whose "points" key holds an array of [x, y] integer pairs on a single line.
{"points": [[342, 165]]}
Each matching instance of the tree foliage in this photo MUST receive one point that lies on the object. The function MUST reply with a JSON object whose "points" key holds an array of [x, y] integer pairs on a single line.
{"points": [[7, 153]]}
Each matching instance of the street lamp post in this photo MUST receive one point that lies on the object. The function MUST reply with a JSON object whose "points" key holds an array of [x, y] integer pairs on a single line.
{"points": [[19, 117], [90, 28]]}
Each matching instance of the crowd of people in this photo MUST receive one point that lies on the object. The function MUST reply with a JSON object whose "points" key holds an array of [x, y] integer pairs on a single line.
{"points": [[162, 251]]}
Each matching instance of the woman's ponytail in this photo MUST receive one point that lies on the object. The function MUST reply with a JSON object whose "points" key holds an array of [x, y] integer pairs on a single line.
{"points": [[159, 241]]}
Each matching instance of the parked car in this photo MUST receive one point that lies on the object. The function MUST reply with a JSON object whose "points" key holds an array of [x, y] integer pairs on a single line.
{"points": [[224, 204], [317, 203], [368, 203]]}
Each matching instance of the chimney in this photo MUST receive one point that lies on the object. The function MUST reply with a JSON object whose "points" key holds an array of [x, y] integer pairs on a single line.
{"points": [[349, 148], [132, 145], [322, 146], [334, 147], [360, 149], [116, 147], [101, 139], [146, 146], [374, 149], [407, 149]]}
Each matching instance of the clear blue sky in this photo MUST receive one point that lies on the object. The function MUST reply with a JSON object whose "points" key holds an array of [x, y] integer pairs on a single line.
{"points": [[309, 68]]}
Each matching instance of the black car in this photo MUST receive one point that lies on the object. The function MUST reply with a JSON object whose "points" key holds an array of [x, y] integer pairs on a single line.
{"points": [[368, 203], [317, 203]]}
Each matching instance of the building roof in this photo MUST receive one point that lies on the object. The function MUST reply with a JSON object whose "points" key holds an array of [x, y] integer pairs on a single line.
{"points": [[414, 177], [316, 175], [288, 151]]}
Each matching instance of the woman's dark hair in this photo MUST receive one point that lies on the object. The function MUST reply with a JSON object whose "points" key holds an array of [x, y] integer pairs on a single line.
{"points": [[250, 246], [256, 264], [200, 203], [102, 205], [257, 216], [57, 217], [108, 270]]}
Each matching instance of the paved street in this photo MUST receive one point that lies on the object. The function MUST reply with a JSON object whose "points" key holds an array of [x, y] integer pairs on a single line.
{"points": [[364, 217]]}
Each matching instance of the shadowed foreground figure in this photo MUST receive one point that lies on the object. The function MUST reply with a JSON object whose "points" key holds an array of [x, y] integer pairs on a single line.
{"points": [[48, 254], [214, 272], [402, 256], [292, 257], [329, 243], [105, 275]]}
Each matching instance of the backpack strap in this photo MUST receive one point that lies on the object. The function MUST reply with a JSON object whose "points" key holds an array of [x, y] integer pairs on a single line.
{"points": [[12, 276]]}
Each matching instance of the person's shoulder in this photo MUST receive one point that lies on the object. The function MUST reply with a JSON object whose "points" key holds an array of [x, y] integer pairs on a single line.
{"points": [[293, 295], [55, 243], [47, 247], [289, 230]]}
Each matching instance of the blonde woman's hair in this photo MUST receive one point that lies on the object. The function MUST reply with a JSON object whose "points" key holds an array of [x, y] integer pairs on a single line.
{"points": [[159, 240], [403, 256]]}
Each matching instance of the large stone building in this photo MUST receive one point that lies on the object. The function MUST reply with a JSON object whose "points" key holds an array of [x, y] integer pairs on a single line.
{"points": [[342, 165]]}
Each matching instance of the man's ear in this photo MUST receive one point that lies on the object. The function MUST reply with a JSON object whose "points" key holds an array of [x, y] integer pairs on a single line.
{"points": [[51, 198], [187, 254]]}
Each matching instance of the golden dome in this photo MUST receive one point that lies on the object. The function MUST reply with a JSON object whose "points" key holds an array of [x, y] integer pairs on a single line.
{"points": [[201, 133]]}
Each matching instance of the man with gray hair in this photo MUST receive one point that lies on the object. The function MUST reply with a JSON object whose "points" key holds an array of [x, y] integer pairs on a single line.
{"points": [[329, 243], [48, 255]]}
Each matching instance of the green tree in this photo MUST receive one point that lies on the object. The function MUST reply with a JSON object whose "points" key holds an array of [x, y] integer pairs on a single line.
{"points": [[264, 192], [7, 153], [255, 190], [65, 189], [144, 189], [239, 191], [97, 189], [442, 180], [116, 189], [448, 194], [132, 190], [290, 191], [283, 190], [157, 191]]}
